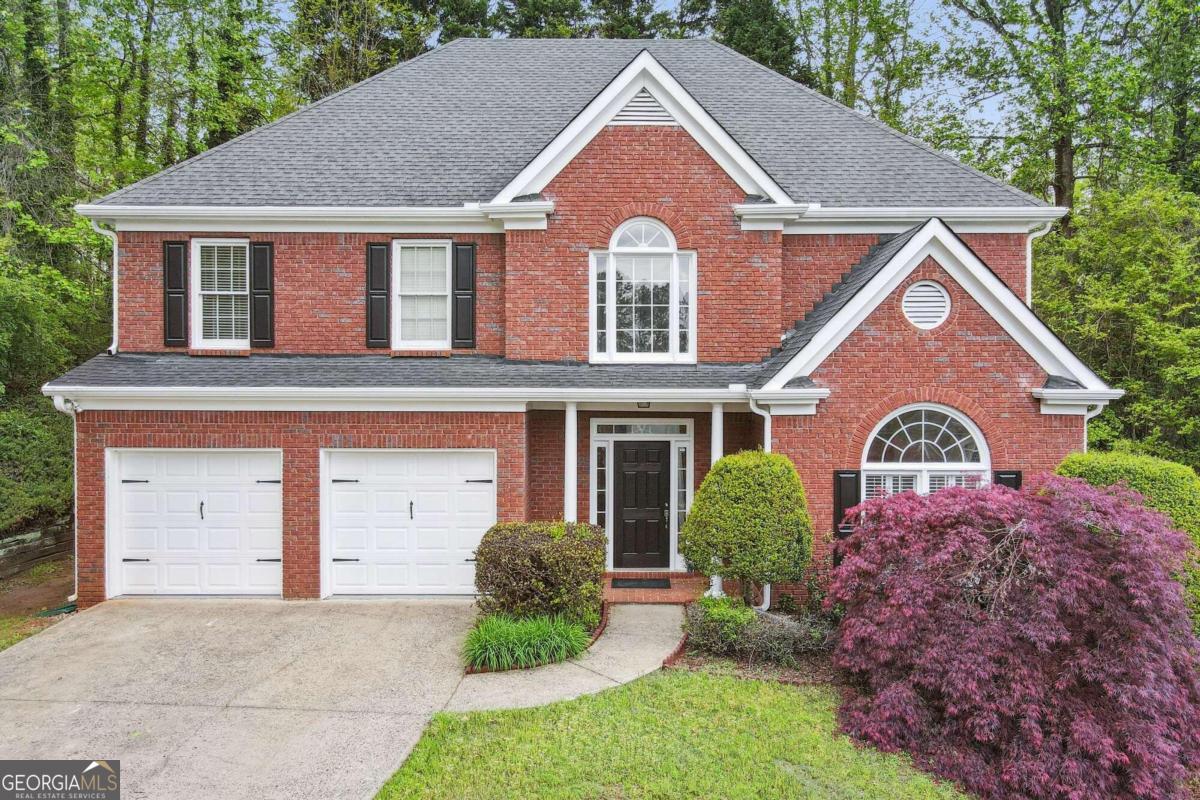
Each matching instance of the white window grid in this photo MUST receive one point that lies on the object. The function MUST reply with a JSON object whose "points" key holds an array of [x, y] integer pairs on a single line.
{"points": [[220, 291], [928, 433], [418, 303]]}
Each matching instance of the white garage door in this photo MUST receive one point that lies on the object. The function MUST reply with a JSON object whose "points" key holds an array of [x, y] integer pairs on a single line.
{"points": [[407, 521], [196, 522]]}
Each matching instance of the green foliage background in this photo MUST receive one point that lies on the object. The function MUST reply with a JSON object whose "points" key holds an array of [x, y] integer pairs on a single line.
{"points": [[1092, 107]]}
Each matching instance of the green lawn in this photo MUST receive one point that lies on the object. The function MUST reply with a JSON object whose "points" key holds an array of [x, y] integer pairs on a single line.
{"points": [[673, 734]]}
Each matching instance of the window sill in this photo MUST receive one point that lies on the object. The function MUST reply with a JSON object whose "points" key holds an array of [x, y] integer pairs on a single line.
{"points": [[439, 353], [204, 351]]}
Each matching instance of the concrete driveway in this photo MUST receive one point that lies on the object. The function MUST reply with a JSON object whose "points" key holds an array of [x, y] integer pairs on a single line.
{"points": [[235, 698]]}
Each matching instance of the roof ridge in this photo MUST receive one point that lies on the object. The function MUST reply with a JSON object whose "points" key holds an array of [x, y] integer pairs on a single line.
{"points": [[273, 123], [879, 124]]}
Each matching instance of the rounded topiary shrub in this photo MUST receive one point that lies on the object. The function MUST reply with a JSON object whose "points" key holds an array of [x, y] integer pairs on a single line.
{"points": [[749, 521], [1173, 489], [542, 568], [1026, 644]]}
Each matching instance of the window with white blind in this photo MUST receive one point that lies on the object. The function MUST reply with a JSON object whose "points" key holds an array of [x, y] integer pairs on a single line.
{"points": [[643, 297], [220, 277], [923, 448], [421, 288]]}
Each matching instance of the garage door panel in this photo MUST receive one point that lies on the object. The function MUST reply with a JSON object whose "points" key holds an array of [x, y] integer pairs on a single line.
{"points": [[420, 522], [180, 551]]}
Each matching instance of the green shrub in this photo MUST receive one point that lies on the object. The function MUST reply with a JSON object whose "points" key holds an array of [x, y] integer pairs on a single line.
{"points": [[499, 642], [749, 521], [1173, 489], [726, 626], [529, 568], [35, 464]]}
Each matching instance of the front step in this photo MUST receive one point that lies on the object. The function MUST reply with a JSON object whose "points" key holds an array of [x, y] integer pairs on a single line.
{"points": [[685, 588]]}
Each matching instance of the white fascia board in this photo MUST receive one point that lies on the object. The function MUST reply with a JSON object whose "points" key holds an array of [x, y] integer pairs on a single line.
{"points": [[233, 398], [1076, 402], [468, 218], [644, 72], [937, 240], [770, 216], [790, 402], [896, 219]]}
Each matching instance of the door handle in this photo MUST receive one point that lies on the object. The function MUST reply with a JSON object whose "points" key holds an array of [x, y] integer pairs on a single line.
{"points": [[201, 509], [127, 560], [272, 560], [410, 509], [340, 560]]}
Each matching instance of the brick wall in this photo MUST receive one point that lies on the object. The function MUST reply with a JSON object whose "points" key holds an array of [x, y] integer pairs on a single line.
{"points": [[320, 284], [660, 172], [300, 435], [969, 363]]}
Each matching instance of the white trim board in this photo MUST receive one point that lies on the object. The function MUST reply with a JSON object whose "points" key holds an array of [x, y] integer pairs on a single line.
{"points": [[643, 72], [897, 219], [1010, 312]]}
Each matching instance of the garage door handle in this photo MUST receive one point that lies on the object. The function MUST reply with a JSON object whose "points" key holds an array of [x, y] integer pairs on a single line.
{"points": [[127, 560], [345, 480], [133, 480], [469, 559], [336, 560], [479, 480], [272, 560], [274, 480]]}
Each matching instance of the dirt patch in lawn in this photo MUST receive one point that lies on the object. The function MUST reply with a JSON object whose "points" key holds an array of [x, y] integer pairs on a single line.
{"points": [[46, 585]]}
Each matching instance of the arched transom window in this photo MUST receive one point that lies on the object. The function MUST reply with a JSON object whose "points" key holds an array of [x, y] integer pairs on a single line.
{"points": [[643, 296], [924, 448]]}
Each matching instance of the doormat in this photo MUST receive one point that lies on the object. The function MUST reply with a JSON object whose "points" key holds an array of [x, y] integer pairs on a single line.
{"points": [[641, 583]]}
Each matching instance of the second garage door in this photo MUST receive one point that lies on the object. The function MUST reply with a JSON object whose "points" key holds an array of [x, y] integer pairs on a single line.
{"points": [[407, 521]]}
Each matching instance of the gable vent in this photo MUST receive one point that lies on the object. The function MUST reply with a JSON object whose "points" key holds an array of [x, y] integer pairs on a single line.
{"points": [[643, 109], [926, 304]]}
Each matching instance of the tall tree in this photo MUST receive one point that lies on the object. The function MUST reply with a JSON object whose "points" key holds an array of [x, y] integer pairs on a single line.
{"points": [[542, 19], [759, 29], [628, 19], [457, 19]]}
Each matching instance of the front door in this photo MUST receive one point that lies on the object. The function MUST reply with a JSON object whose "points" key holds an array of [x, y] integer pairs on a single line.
{"points": [[641, 505]]}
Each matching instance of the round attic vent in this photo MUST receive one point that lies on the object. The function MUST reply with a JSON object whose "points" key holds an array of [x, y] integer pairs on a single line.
{"points": [[926, 304]]}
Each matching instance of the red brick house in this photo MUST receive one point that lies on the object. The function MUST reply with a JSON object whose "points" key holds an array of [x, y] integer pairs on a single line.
{"points": [[544, 279]]}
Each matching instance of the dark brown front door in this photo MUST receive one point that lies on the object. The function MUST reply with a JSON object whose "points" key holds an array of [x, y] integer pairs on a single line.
{"points": [[641, 498]]}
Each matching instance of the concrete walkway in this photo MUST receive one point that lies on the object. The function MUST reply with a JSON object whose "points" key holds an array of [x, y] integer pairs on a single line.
{"points": [[636, 641]]}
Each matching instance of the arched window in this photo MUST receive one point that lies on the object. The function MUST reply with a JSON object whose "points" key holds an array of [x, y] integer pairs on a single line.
{"points": [[642, 296], [924, 448]]}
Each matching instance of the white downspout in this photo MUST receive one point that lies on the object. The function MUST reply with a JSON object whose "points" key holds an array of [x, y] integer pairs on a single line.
{"points": [[1088, 416], [111, 235], [1034, 234], [766, 415], [69, 408]]}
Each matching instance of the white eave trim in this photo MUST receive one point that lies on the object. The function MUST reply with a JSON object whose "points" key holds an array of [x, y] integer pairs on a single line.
{"points": [[790, 402], [467, 218], [284, 398], [896, 219], [644, 72], [1083, 402], [998, 300], [770, 216]]}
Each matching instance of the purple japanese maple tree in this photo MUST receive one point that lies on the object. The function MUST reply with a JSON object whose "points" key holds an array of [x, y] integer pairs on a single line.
{"points": [[1026, 644]]}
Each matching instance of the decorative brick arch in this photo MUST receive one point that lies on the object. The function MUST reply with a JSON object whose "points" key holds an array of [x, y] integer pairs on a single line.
{"points": [[997, 444], [657, 211]]}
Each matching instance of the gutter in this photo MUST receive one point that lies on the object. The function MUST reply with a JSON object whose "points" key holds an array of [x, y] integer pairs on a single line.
{"points": [[112, 348], [67, 407], [1034, 234]]}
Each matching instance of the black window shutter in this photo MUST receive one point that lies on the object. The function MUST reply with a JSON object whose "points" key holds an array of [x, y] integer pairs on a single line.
{"points": [[1009, 478], [846, 495], [262, 294], [463, 300], [378, 292], [175, 292]]}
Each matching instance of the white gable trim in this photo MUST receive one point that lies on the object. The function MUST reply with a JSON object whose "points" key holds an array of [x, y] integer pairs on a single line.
{"points": [[644, 72], [936, 240]]}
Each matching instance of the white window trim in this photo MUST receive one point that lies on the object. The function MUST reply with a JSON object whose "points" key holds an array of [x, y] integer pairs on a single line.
{"points": [[420, 344], [922, 472], [606, 440], [196, 307], [611, 356]]}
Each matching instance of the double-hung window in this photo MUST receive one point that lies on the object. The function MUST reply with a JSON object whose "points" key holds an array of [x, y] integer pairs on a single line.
{"points": [[643, 306], [421, 291], [220, 277]]}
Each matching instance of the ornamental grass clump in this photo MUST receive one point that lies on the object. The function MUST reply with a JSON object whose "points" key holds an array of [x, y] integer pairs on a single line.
{"points": [[500, 642], [1026, 644]]}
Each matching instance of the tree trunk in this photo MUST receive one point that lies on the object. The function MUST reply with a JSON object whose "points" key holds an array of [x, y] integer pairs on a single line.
{"points": [[37, 72], [64, 105], [141, 144]]}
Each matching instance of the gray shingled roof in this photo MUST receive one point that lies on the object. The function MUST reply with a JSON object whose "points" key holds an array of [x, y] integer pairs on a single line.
{"points": [[858, 276], [456, 124], [181, 370]]}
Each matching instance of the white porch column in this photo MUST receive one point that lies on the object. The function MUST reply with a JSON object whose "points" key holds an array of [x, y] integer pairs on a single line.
{"points": [[570, 465], [715, 587], [718, 431]]}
